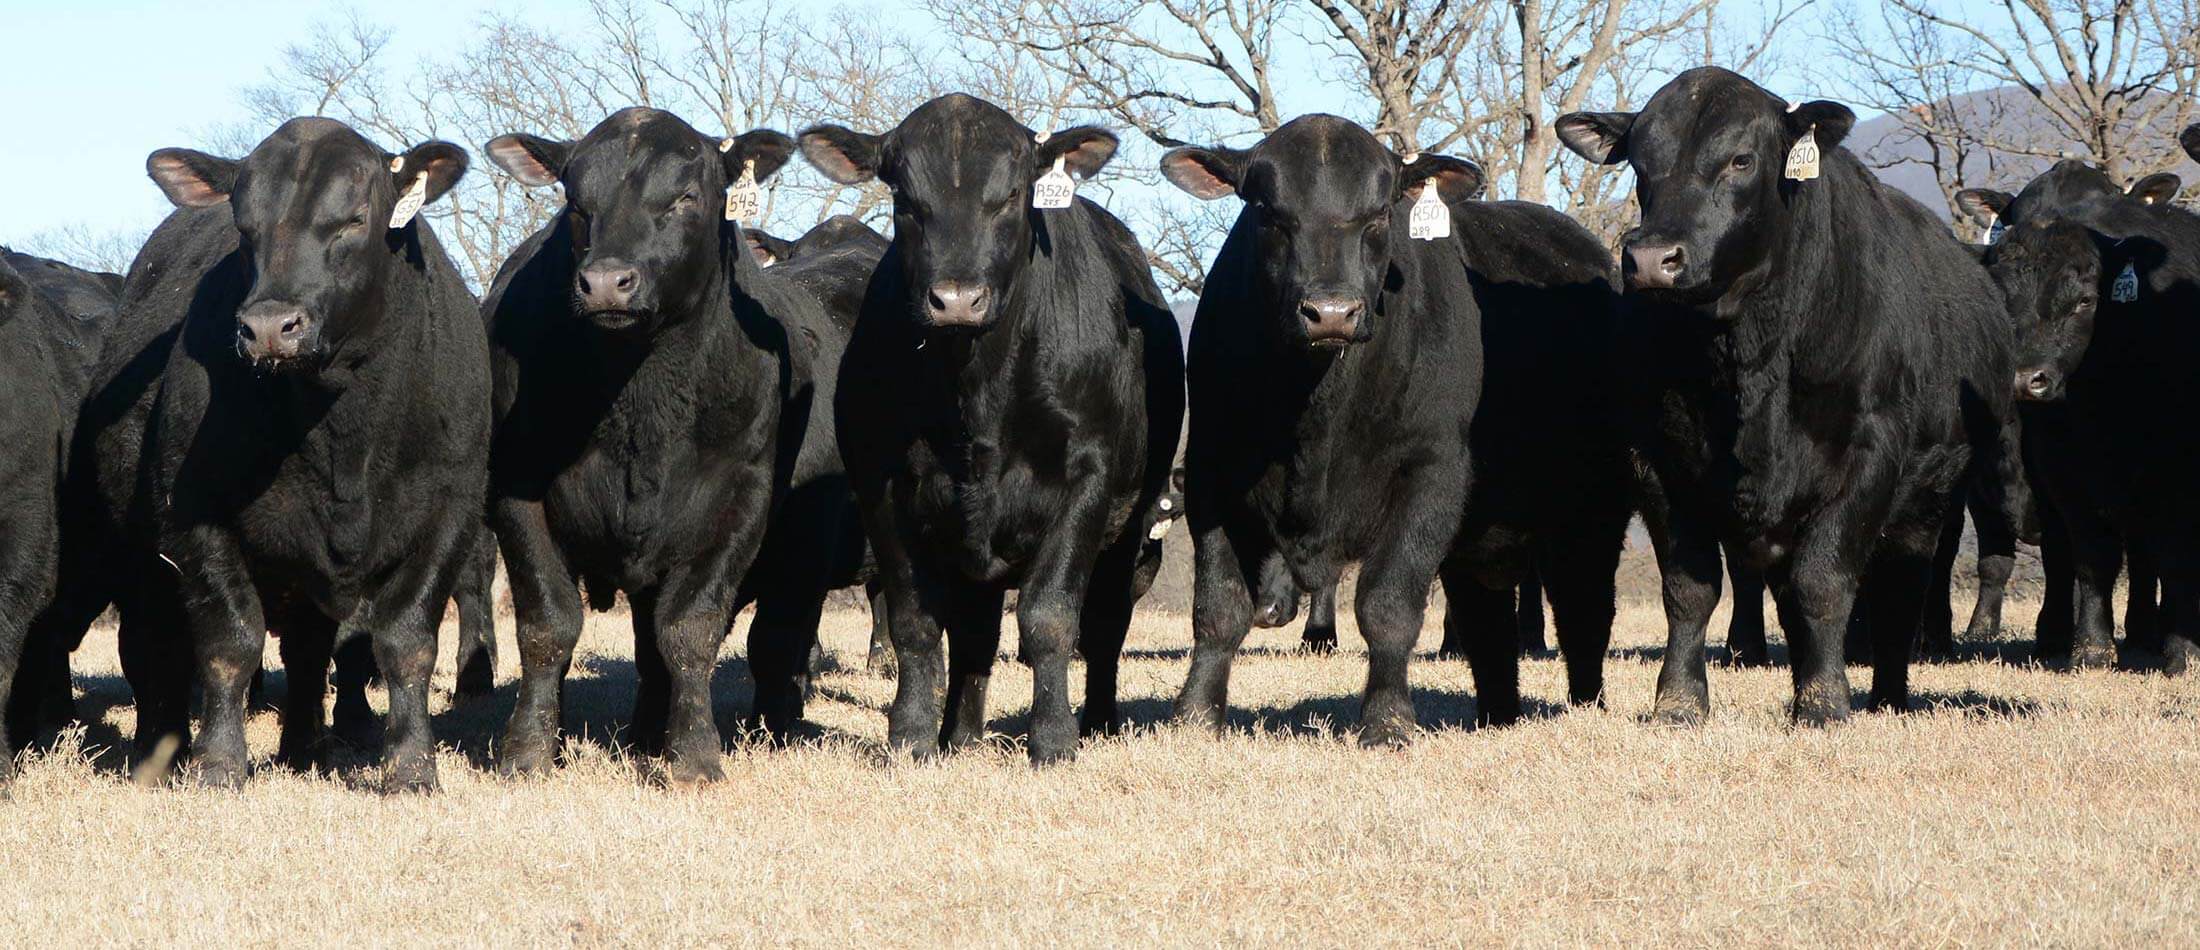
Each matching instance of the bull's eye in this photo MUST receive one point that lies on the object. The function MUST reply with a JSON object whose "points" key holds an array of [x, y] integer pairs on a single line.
{"points": [[2081, 306], [1742, 162], [687, 198]]}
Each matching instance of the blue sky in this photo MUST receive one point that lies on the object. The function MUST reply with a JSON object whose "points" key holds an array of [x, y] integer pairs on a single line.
{"points": [[94, 85]]}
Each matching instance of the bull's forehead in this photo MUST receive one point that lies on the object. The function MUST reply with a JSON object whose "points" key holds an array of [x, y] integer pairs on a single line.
{"points": [[2064, 189], [308, 167], [1704, 110], [637, 149], [957, 144], [1322, 165]]}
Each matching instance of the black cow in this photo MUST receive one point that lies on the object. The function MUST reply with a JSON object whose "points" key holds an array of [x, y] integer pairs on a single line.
{"points": [[1335, 367], [1009, 409], [289, 434], [1820, 368], [49, 316], [2102, 286], [661, 405]]}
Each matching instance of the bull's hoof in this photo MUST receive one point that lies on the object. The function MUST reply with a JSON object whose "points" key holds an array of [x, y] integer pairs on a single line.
{"points": [[1093, 722], [1200, 715], [300, 754], [1818, 711], [219, 772], [694, 770], [524, 755], [2179, 657], [414, 776], [2093, 657], [1319, 645], [1043, 756], [355, 726], [1497, 715], [1386, 732], [1747, 657], [1686, 709]]}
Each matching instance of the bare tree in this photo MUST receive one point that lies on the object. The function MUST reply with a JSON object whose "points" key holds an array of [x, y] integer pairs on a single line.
{"points": [[87, 247], [1987, 95]]}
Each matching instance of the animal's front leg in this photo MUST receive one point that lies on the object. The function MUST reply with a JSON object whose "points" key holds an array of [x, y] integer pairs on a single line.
{"points": [[228, 633], [1393, 596], [1049, 608], [548, 605], [1688, 571], [690, 625]]}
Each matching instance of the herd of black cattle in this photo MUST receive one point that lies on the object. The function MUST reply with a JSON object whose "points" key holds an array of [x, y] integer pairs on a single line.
{"points": [[293, 417]]}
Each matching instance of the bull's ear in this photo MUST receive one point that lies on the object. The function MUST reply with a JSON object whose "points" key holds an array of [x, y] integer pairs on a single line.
{"points": [[767, 249], [1600, 137], [2156, 189], [440, 162], [192, 179], [1984, 205], [768, 148], [842, 154], [1084, 150], [532, 159], [1828, 122], [1456, 179], [2189, 139], [1204, 173]]}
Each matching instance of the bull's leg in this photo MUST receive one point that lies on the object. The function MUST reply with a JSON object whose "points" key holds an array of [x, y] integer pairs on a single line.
{"points": [[1047, 623], [2057, 625], [477, 628], [1745, 630], [26, 580], [228, 635], [690, 628], [1688, 567], [1997, 559], [155, 650], [355, 668], [1277, 595], [2180, 611], [2097, 557], [1470, 614], [1321, 622], [404, 650], [2143, 622], [652, 712], [1530, 619], [1581, 576], [548, 608], [1815, 612], [1492, 649], [973, 643], [1903, 587], [305, 640], [881, 658], [781, 638], [1222, 614], [1105, 624], [1936, 634]]}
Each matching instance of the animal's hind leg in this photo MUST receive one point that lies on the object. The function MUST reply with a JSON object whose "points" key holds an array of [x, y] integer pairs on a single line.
{"points": [[1321, 622], [780, 641], [973, 642], [652, 693], [477, 628], [1479, 620], [1936, 623], [1531, 611], [2143, 621], [1104, 624], [155, 650], [880, 660], [355, 668], [1901, 583], [305, 641], [1581, 576], [1745, 629]]}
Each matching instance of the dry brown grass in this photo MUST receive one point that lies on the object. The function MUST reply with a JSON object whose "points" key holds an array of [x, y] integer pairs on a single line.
{"points": [[2015, 806]]}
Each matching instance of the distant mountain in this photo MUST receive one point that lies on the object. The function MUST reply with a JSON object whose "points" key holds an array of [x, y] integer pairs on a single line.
{"points": [[2010, 112]]}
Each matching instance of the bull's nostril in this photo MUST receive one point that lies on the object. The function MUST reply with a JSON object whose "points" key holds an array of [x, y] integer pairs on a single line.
{"points": [[625, 281], [292, 326], [1671, 263]]}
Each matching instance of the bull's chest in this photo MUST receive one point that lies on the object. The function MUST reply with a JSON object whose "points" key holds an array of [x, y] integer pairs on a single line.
{"points": [[978, 506], [316, 517]]}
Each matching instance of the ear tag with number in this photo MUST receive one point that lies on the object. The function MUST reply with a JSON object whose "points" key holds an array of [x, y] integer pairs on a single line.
{"points": [[1802, 162], [2126, 288], [1055, 189], [409, 203], [1430, 218], [744, 200]]}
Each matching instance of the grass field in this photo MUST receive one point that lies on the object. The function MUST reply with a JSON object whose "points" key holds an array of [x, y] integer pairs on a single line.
{"points": [[2014, 806]]}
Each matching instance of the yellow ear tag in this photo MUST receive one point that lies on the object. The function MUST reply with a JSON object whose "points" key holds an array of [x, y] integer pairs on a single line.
{"points": [[1055, 189], [745, 201], [2126, 288], [1430, 218], [1803, 158], [409, 203]]}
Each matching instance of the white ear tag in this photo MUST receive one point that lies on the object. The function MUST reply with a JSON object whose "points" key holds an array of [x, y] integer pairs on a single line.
{"points": [[1803, 158], [2126, 288], [409, 203], [1995, 229], [1430, 218], [745, 201], [1055, 189]]}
